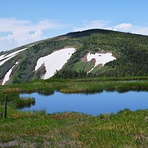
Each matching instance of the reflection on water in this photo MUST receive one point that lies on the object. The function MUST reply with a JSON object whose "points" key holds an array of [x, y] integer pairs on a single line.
{"points": [[94, 104]]}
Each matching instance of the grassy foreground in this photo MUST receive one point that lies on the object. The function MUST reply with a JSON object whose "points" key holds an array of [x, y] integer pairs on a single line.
{"points": [[126, 129]]}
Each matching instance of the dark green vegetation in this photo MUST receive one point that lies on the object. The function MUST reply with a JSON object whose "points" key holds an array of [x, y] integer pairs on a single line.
{"points": [[36, 129], [130, 50]]}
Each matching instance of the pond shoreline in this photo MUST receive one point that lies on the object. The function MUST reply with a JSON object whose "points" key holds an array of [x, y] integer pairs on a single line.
{"points": [[93, 104], [79, 85]]}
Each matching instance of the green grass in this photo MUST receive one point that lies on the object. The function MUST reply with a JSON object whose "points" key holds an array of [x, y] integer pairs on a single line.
{"points": [[89, 66], [79, 66], [36, 129], [24, 102], [80, 85]]}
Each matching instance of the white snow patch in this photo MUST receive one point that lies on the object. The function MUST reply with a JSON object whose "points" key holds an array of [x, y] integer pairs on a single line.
{"points": [[100, 58], [6, 57], [54, 61], [7, 76], [31, 45]]}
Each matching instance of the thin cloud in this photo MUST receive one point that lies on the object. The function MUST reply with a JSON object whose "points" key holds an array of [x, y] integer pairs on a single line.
{"points": [[123, 27], [91, 25], [140, 30], [20, 32], [12, 25], [127, 27]]}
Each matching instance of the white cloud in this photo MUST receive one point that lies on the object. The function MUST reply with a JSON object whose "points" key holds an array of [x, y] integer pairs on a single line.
{"points": [[140, 30], [21, 32], [123, 27], [127, 27]]}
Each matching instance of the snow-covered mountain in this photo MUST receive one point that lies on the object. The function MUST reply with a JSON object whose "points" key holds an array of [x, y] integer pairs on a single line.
{"points": [[79, 54]]}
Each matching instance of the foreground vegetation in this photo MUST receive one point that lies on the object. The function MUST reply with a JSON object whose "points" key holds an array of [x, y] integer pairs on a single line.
{"points": [[36, 129]]}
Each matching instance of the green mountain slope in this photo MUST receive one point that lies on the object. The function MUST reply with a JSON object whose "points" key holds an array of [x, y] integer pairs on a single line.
{"points": [[130, 51]]}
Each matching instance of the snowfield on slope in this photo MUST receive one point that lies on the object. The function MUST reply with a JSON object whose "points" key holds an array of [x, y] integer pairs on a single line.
{"points": [[4, 58], [7, 75], [54, 61], [100, 58]]}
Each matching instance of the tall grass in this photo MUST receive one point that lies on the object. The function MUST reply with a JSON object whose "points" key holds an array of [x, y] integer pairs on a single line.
{"points": [[24, 102]]}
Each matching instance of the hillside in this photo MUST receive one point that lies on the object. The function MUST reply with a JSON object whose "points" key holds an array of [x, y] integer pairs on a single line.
{"points": [[90, 53]]}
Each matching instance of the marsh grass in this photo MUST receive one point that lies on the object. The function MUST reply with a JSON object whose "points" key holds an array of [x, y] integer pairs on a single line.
{"points": [[36, 129], [99, 86], [24, 102], [87, 85]]}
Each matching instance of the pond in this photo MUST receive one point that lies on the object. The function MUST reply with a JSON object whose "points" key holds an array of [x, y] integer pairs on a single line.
{"points": [[93, 104]]}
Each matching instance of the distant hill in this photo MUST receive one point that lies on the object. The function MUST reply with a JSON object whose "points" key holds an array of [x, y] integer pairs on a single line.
{"points": [[90, 53]]}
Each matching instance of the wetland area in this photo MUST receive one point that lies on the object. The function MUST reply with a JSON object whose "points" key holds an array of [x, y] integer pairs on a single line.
{"points": [[75, 113], [93, 104]]}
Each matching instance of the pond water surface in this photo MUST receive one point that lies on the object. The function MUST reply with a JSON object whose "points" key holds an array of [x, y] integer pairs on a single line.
{"points": [[94, 104]]}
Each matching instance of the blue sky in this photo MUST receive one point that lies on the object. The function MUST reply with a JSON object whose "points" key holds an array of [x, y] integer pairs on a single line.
{"points": [[26, 21]]}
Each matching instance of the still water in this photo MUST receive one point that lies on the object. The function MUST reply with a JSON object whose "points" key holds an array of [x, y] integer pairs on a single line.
{"points": [[94, 104]]}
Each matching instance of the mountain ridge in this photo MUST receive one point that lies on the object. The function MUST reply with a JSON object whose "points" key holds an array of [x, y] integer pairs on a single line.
{"points": [[129, 50]]}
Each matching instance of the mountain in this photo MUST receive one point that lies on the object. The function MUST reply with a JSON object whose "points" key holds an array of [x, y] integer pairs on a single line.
{"points": [[89, 53]]}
